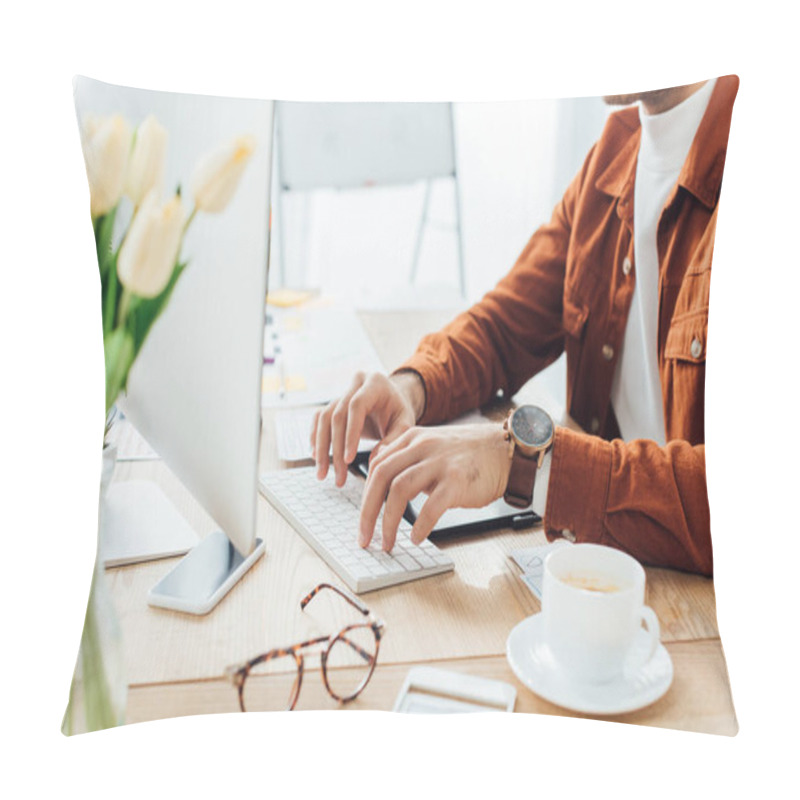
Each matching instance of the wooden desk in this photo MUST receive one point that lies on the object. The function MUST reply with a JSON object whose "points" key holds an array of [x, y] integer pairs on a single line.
{"points": [[459, 620]]}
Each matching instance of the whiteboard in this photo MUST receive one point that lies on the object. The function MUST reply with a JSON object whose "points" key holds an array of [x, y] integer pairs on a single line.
{"points": [[348, 145]]}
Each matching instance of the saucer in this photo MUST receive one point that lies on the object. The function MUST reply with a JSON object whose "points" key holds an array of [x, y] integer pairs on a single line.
{"points": [[533, 663]]}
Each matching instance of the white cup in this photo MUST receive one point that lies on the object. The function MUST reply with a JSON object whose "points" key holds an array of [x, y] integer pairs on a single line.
{"points": [[593, 607]]}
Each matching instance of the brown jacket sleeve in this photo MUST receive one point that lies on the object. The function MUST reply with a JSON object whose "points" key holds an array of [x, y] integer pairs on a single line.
{"points": [[514, 332], [648, 500]]}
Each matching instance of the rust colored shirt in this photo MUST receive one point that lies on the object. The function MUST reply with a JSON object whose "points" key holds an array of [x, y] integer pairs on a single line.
{"points": [[571, 290]]}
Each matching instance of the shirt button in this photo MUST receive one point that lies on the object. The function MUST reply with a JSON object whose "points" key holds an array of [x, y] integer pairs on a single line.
{"points": [[595, 425], [696, 348], [608, 352], [626, 266]]}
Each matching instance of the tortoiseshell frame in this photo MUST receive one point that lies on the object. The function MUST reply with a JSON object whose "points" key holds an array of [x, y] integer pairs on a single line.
{"points": [[238, 674]]}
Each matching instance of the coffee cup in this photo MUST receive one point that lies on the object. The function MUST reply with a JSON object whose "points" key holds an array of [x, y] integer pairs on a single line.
{"points": [[593, 610]]}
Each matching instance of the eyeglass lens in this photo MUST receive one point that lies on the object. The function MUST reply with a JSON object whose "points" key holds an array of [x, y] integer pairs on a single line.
{"points": [[271, 685], [350, 661]]}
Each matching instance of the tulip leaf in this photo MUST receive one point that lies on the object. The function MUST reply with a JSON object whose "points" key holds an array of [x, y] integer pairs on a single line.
{"points": [[103, 233], [122, 344], [119, 356], [145, 311], [107, 262], [110, 292]]}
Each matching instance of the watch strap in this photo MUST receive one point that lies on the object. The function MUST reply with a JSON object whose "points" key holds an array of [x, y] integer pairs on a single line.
{"points": [[521, 480]]}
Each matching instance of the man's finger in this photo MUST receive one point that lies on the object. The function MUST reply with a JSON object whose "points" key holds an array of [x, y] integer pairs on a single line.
{"points": [[338, 427], [376, 488], [389, 446], [313, 438], [338, 422], [360, 405], [324, 441], [405, 487], [430, 513]]}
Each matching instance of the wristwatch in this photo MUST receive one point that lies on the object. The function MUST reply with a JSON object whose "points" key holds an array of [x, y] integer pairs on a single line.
{"points": [[529, 431]]}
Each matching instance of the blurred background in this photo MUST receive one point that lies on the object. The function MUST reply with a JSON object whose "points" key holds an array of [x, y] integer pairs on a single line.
{"points": [[512, 162], [366, 197]]}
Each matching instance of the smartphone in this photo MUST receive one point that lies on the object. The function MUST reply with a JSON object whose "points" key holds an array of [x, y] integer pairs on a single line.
{"points": [[204, 576], [430, 690]]}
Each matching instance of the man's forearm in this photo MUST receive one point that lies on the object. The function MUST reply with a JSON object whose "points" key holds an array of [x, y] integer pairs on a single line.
{"points": [[411, 387], [648, 500]]}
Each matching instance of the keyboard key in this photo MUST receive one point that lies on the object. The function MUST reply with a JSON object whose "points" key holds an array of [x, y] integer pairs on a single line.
{"points": [[327, 518]]}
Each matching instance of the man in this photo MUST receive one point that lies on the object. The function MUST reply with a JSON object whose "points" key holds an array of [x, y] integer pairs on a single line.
{"points": [[619, 278]]}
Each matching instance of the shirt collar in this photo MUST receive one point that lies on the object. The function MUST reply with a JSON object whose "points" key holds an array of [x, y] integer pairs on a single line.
{"points": [[701, 173]]}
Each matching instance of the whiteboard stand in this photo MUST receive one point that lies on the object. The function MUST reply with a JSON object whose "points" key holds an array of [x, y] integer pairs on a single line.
{"points": [[424, 219], [356, 145]]}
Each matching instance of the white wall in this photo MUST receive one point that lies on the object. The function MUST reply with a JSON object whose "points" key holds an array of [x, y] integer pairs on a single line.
{"points": [[514, 159]]}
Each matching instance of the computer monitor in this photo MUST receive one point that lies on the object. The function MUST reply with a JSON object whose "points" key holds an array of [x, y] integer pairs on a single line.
{"points": [[194, 392]]}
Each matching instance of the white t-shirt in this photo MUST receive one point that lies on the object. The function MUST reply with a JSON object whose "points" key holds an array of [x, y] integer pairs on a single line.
{"points": [[636, 388]]}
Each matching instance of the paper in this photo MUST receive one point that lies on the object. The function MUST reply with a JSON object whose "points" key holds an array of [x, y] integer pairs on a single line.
{"points": [[293, 434], [531, 560], [131, 445], [313, 354], [139, 523]]}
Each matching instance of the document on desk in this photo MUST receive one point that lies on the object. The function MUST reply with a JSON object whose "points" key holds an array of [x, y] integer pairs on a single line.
{"points": [[311, 353], [293, 432], [531, 561]]}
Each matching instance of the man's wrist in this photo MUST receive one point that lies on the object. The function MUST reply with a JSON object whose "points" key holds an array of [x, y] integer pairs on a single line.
{"points": [[412, 389], [539, 502]]}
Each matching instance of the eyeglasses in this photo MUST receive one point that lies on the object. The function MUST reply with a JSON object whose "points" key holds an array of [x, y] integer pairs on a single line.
{"points": [[272, 681]]}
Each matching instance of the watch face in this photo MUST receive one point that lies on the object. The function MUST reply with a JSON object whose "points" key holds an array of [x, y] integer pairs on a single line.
{"points": [[532, 426]]}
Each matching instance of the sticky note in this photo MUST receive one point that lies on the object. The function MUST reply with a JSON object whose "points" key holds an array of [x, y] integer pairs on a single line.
{"points": [[295, 383], [285, 298], [270, 384]]}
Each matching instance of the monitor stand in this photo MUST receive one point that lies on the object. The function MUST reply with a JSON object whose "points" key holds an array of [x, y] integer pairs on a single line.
{"points": [[139, 523]]}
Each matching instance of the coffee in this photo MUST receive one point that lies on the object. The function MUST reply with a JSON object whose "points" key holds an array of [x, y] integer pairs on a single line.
{"points": [[593, 610], [591, 583]]}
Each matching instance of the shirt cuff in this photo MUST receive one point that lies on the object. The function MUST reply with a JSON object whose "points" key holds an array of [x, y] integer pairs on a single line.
{"points": [[435, 386], [540, 488], [577, 496]]}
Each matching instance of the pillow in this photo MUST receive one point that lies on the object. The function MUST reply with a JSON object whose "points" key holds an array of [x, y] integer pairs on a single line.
{"points": [[596, 330]]}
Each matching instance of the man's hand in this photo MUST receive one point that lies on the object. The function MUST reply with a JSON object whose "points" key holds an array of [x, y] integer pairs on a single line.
{"points": [[376, 407], [464, 466]]}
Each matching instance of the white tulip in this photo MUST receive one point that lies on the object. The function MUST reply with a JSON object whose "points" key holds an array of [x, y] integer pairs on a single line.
{"points": [[150, 248], [106, 145], [217, 175], [146, 165]]}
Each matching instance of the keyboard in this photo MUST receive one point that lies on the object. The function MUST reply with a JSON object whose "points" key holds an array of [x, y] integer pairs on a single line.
{"points": [[327, 518]]}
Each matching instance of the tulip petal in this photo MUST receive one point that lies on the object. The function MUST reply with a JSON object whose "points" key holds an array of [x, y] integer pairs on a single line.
{"points": [[148, 157], [106, 147], [150, 248], [217, 175]]}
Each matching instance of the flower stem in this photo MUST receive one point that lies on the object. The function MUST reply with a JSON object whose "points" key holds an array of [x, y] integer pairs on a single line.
{"points": [[189, 220], [124, 305]]}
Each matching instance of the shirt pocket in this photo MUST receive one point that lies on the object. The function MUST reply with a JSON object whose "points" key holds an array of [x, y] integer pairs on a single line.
{"points": [[688, 337], [684, 374]]}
